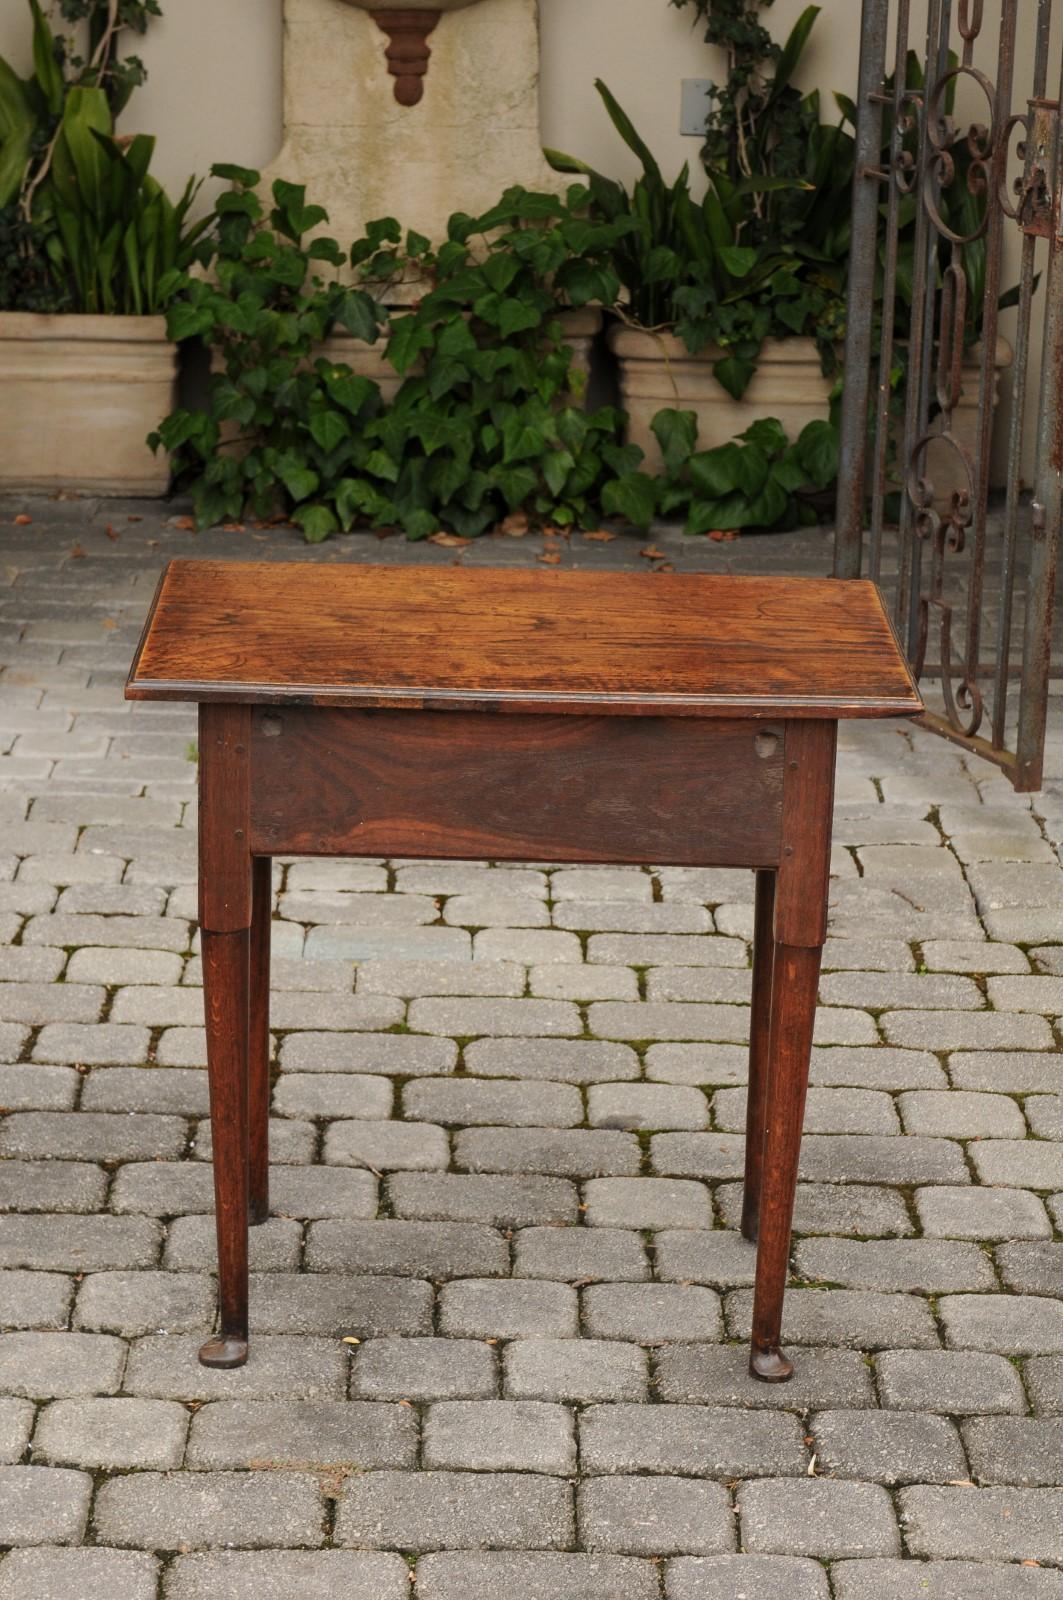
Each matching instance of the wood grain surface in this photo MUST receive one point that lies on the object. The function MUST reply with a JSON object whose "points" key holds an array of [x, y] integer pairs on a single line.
{"points": [[488, 639], [672, 790]]}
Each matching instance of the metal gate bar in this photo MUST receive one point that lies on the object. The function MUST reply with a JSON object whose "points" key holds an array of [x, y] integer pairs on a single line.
{"points": [[957, 184]]}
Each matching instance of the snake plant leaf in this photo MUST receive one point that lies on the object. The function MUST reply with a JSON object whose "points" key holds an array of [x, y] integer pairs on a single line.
{"points": [[627, 131], [46, 67], [792, 51], [79, 164]]}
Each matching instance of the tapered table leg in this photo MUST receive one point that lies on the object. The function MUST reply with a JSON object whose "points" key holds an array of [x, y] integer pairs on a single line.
{"points": [[800, 928], [759, 1029], [258, 1038], [225, 983], [793, 1019], [225, 922]]}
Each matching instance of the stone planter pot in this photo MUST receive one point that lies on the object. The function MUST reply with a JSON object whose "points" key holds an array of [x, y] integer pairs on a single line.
{"points": [[368, 360], [657, 371], [78, 397]]}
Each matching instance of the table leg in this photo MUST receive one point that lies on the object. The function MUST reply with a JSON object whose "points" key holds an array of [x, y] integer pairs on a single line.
{"points": [[760, 1023], [793, 1019], [226, 967], [225, 923], [800, 928], [258, 1039]]}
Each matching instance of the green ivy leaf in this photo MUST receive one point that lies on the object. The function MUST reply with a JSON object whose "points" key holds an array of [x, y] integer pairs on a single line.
{"points": [[714, 473], [734, 373], [516, 484], [184, 321], [556, 466], [299, 480], [677, 434], [247, 177], [316, 521], [358, 313], [328, 429], [751, 469], [350, 390], [408, 339], [521, 440], [515, 316], [701, 517], [633, 496], [456, 340], [817, 452], [500, 270], [768, 433], [572, 428], [380, 465], [738, 259], [419, 523]]}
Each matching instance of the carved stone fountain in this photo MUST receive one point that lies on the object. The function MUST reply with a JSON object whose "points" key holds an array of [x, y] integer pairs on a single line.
{"points": [[398, 108]]}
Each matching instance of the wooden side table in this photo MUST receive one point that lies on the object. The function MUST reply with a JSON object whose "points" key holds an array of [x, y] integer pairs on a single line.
{"points": [[479, 713]]}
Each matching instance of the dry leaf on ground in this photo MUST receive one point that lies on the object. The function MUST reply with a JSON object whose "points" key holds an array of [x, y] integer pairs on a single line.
{"points": [[76, 553], [601, 536], [723, 535], [452, 541], [551, 558], [652, 553], [515, 525], [186, 524], [112, 532], [22, 521]]}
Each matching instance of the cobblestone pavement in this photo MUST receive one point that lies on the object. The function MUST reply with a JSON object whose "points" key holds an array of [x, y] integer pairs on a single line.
{"points": [[501, 1304]]}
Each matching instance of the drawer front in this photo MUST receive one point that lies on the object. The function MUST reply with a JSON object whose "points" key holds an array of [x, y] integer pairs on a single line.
{"points": [[669, 790]]}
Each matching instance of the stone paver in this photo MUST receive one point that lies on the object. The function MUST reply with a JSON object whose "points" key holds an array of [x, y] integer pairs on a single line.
{"points": [[501, 1303]]}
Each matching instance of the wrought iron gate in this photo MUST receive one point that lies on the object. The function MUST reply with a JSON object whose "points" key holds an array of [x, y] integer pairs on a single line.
{"points": [[945, 167]]}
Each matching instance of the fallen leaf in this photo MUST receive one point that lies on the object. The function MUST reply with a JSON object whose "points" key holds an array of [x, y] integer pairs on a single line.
{"points": [[1029, 1563], [350, 1339], [514, 526], [550, 558], [665, 566], [652, 553], [111, 532], [134, 519], [723, 535], [109, 622], [550, 532], [811, 1472], [232, 527], [601, 536], [76, 553], [452, 541], [186, 524], [22, 521]]}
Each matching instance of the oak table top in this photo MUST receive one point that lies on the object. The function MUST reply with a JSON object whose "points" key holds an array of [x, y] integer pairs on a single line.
{"points": [[601, 643]]}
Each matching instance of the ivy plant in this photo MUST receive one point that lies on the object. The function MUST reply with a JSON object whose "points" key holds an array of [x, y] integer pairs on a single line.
{"points": [[282, 422], [759, 480], [488, 418]]}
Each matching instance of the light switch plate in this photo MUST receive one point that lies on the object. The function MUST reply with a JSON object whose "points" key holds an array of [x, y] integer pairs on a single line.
{"points": [[694, 106]]}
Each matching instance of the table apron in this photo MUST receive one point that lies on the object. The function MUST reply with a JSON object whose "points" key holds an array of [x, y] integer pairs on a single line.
{"points": [[465, 785]]}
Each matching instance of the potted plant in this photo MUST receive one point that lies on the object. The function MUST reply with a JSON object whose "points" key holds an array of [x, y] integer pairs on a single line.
{"points": [[87, 241], [733, 305]]}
